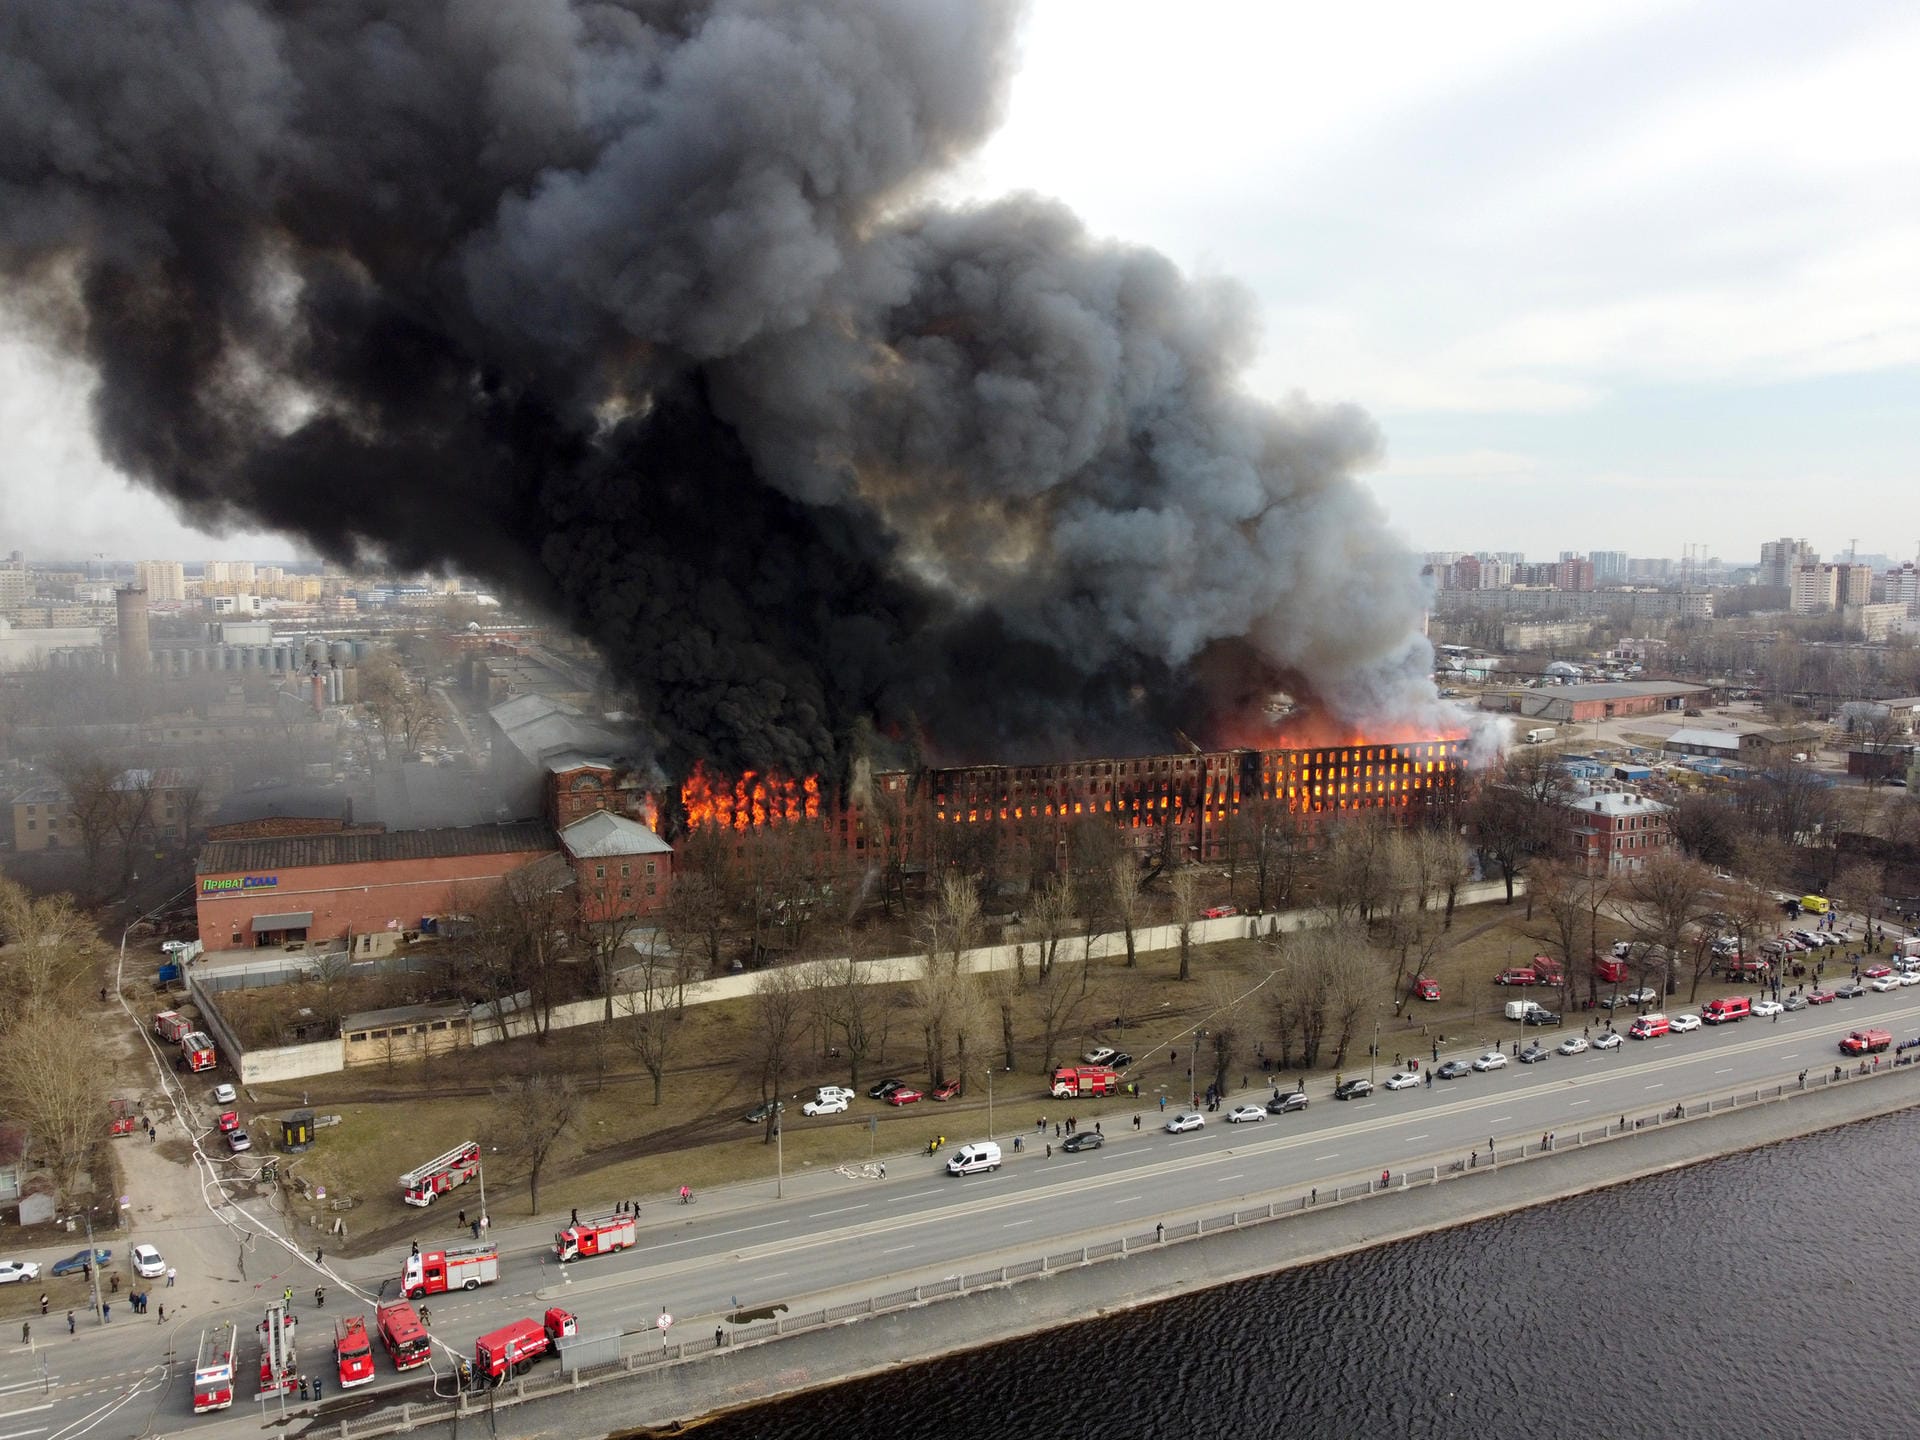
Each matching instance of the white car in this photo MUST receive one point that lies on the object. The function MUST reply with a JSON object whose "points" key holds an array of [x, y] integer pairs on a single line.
{"points": [[1402, 1080], [1680, 1024], [1573, 1045], [173, 947], [1884, 983], [1908, 977], [224, 1095], [1768, 1007], [1100, 1055], [1186, 1120], [835, 1106], [1243, 1114], [147, 1263], [1607, 1040], [1645, 995], [15, 1270], [834, 1092], [1492, 1060]]}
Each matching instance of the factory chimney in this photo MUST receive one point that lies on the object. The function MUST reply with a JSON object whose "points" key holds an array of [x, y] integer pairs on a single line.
{"points": [[130, 604]]}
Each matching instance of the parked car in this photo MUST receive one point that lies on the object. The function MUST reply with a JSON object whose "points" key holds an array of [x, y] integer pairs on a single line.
{"points": [[1355, 1089], [1243, 1114], [228, 1122], [1402, 1080], [1492, 1060], [1849, 990], [1286, 1103], [1573, 1045], [759, 1113], [1099, 1055], [238, 1140], [1534, 1054], [1794, 1002], [947, 1091], [1084, 1140], [75, 1263], [1121, 1059], [883, 1088], [1764, 1008], [1453, 1070], [1184, 1121], [1541, 1017], [224, 1095], [1684, 1022], [1645, 995], [1220, 912], [835, 1106], [1607, 1040], [1884, 983], [15, 1270], [1822, 997], [834, 1092], [147, 1263], [905, 1095], [1613, 1002]]}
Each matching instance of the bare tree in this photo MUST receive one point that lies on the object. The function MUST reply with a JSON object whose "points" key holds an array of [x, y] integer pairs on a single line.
{"points": [[1357, 876], [1058, 1002], [1225, 1027], [1671, 895], [1346, 981], [53, 1081], [1050, 918], [93, 800], [405, 714], [653, 1005], [534, 1111], [49, 936], [1560, 895], [1123, 894], [1862, 885], [1185, 889], [776, 1020], [855, 1009]]}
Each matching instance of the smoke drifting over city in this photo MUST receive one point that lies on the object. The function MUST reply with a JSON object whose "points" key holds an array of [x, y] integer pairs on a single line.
{"points": [[639, 310]]}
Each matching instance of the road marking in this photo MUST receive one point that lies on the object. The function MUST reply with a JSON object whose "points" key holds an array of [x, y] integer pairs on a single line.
{"points": [[911, 1194], [843, 1210], [1414, 1137], [896, 1249], [16, 1434], [1237, 1175], [1124, 1200], [1572, 1103], [721, 1235], [1727, 1071], [1498, 1118], [1658, 1085], [1334, 1156], [1795, 1055], [23, 1384], [1015, 1224], [762, 1279]]}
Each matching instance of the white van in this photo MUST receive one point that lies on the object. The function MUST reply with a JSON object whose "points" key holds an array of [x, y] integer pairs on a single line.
{"points": [[1539, 735], [972, 1158]]}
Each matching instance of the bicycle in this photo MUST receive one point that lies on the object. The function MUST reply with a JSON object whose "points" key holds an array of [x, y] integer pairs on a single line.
{"points": [[686, 1196]]}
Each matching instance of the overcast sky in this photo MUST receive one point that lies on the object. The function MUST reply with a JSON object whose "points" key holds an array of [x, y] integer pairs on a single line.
{"points": [[1625, 276]]}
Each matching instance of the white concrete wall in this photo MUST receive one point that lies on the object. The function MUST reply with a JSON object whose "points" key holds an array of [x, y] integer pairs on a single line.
{"points": [[292, 1062]]}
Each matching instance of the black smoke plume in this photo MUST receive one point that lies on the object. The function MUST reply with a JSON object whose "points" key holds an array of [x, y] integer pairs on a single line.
{"points": [[638, 309]]}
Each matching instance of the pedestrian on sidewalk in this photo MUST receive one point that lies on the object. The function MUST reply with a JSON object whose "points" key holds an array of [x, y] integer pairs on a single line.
{"points": [[43, 1302], [170, 1274], [883, 1169], [463, 1219], [317, 1255], [163, 1314]]}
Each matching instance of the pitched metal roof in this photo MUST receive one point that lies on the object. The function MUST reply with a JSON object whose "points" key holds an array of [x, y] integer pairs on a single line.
{"points": [[603, 833], [292, 852]]}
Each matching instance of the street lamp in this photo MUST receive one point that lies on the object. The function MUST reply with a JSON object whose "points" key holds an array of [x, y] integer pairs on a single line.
{"points": [[1373, 1057], [989, 1102]]}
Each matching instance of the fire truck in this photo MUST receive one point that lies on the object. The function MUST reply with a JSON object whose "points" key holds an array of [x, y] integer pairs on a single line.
{"points": [[279, 1370], [512, 1349], [594, 1237], [465, 1268], [196, 1048], [441, 1174], [171, 1026], [213, 1369], [403, 1335], [352, 1351], [1072, 1081]]}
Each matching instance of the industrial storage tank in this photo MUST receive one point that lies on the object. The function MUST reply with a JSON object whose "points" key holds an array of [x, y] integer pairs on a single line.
{"points": [[341, 653], [316, 651]]}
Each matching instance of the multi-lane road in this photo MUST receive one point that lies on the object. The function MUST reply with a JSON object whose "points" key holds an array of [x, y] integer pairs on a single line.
{"points": [[849, 1236]]}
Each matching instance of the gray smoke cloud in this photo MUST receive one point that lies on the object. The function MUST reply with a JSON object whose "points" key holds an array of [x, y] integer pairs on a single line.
{"points": [[639, 309]]}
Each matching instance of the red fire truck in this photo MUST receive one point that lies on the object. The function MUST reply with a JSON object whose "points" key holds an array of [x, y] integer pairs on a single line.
{"points": [[196, 1048], [171, 1026], [466, 1268], [512, 1349], [594, 1237], [213, 1369], [1071, 1081], [352, 1351], [441, 1174], [279, 1369], [403, 1335]]}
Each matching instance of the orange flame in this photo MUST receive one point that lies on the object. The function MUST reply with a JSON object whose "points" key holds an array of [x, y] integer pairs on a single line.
{"points": [[752, 801]]}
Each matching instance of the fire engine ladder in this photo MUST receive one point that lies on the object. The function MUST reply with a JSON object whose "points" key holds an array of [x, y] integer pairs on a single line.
{"points": [[437, 1165], [215, 1360], [278, 1365]]}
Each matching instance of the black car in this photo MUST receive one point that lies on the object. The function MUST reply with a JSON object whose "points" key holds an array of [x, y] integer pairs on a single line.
{"points": [[1280, 1106], [1353, 1089], [1534, 1054], [1084, 1140], [1120, 1060], [1540, 1017], [883, 1089], [1613, 1002], [755, 1116], [1453, 1070], [1850, 990]]}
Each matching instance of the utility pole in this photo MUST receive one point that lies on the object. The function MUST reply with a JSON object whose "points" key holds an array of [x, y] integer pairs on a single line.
{"points": [[93, 1266]]}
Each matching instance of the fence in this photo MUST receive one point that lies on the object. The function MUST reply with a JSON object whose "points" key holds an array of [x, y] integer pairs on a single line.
{"points": [[650, 1356]]}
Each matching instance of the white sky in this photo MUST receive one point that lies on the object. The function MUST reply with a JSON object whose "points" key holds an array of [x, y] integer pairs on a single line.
{"points": [[1631, 275]]}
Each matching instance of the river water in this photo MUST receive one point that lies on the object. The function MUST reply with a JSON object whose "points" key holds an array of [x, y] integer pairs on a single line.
{"points": [[1757, 1296]]}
